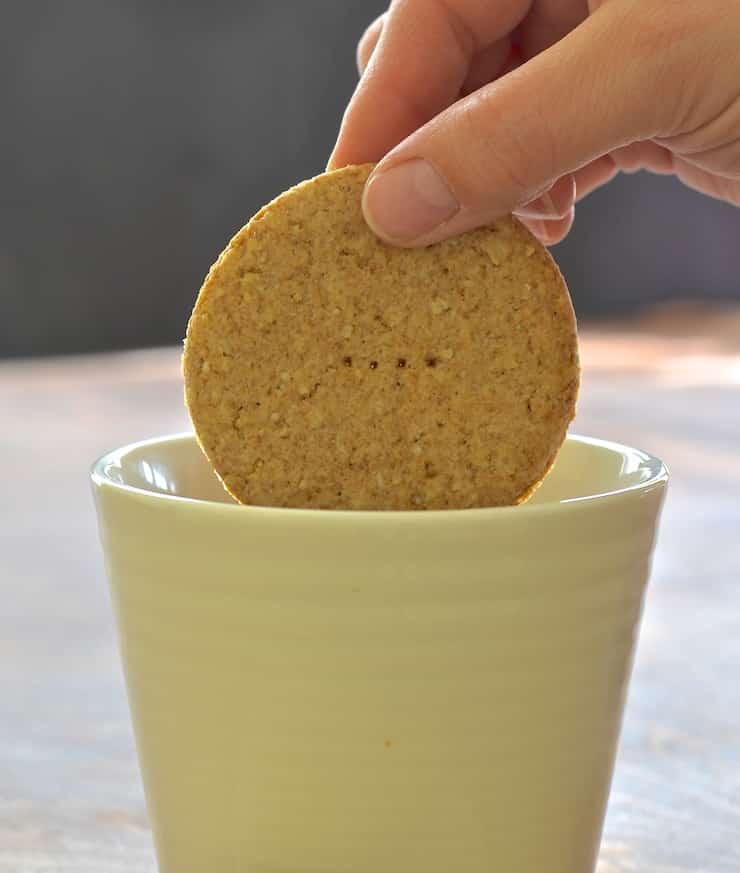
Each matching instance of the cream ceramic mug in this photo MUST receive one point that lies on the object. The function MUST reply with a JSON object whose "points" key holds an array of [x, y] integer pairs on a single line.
{"points": [[377, 692]]}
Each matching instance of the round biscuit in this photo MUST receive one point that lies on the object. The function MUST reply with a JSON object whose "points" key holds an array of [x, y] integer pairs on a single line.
{"points": [[326, 369]]}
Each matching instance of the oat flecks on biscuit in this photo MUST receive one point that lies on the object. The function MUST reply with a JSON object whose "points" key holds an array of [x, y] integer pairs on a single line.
{"points": [[326, 369]]}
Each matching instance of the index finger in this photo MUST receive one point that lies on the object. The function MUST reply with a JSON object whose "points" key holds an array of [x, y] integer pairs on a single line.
{"points": [[417, 70]]}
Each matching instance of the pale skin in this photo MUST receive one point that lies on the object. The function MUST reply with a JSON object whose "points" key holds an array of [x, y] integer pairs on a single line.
{"points": [[478, 108]]}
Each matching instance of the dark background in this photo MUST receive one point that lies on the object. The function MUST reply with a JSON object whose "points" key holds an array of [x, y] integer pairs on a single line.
{"points": [[136, 137]]}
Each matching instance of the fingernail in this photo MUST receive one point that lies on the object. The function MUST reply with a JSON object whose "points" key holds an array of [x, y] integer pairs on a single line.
{"points": [[542, 207], [407, 201]]}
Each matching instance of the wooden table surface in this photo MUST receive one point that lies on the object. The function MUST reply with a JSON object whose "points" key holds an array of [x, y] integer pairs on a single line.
{"points": [[70, 798]]}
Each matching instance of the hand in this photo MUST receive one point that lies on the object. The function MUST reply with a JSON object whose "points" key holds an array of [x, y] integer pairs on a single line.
{"points": [[477, 108]]}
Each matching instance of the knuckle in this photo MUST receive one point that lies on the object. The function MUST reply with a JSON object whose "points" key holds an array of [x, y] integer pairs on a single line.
{"points": [[368, 41], [495, 154]]}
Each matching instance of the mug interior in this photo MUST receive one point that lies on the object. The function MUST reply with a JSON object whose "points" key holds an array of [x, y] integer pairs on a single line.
{"points": [[586, 468]]}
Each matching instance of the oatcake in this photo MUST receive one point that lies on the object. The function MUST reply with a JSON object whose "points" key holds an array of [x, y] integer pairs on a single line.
{"points": [[327, 369]]}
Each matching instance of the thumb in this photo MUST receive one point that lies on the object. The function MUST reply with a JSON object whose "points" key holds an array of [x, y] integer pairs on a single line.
{"points": [[507, 144]]}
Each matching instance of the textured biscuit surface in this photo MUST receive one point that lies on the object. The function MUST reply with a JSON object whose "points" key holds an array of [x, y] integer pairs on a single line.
{"points": [[326, 369]]}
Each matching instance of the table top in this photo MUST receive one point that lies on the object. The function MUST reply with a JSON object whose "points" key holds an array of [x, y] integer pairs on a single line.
{"points": [[70, 797]]}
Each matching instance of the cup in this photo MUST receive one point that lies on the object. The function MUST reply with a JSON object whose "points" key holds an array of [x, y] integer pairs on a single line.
{"points": [[377, 692]]}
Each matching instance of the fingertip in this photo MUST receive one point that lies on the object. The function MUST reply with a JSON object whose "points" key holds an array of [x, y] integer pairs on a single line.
{"points": [[332, 163], [594, 174], [550, 233], [336, 159], [407, 202], [555, 203], [560, 229], [556, 231]]}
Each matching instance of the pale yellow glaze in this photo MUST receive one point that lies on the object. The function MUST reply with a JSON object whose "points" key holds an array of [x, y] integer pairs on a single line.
{"points": [[377, 692]]}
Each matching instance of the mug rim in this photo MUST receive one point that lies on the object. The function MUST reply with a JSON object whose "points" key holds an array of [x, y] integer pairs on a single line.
{"points": [[657, 479]]}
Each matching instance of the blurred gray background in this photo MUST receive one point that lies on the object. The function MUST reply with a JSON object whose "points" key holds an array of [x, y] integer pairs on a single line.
{"points": [[136, 137]]}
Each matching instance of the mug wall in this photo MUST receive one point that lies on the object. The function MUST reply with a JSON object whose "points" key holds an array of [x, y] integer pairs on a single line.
{"points": [[353, 692]]}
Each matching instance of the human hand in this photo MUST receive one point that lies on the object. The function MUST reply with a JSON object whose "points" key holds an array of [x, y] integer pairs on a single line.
{"points": [[477, 108]]}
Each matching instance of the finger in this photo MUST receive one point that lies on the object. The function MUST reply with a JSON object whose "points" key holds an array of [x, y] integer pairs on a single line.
{"points": [[418, 69], [707, 182], [643, 156], [629, 159], [548, 22], [555, 203], [594, 175], [490, 63], [367, 43], [550, 233], [504, 145]]}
